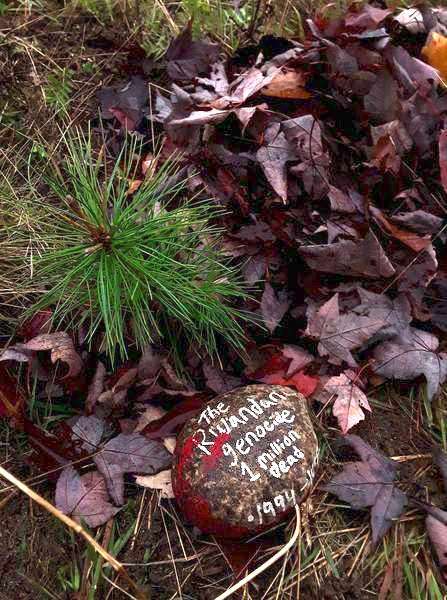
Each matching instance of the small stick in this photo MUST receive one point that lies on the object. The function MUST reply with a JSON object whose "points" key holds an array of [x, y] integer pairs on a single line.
{"points": [[76, 527], [268, 562]]}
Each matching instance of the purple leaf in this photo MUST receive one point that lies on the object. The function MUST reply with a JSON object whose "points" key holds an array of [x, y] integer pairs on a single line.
{"points": [[338, 334], [273, 307], [129, 453], [219, 381], [381, 102], [188, 59], [411, 355], [84, 498], [363, 258], [96, 387], [88, 431], [60, 344], [441, 461], [437, 532], [369, 483], [128, 102]]}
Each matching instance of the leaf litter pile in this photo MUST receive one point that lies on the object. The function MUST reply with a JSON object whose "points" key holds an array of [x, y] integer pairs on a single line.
{"points": [[329, 157]]}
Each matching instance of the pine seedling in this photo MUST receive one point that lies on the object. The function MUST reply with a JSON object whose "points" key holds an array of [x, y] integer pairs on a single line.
{"points": [[147, 262]]}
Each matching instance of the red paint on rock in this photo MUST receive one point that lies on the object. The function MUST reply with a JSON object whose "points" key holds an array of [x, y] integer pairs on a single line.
{"points": [[196, 508], [209, 462]]}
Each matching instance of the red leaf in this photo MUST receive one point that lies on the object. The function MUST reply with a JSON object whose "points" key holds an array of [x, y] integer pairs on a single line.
{"points": [[174, 419], [240, 555], [37, 324], [305, 384], [53, 451], [12, 400]]}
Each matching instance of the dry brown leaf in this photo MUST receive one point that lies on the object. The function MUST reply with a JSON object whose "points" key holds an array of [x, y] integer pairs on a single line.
{"points": [[435, 53], [287, 84], [60, 344], [349, 401], [162, 481], [410, 239], [151, 413]]}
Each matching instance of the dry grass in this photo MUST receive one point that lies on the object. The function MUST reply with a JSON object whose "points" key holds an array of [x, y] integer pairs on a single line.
{"points": [[50, 71]]}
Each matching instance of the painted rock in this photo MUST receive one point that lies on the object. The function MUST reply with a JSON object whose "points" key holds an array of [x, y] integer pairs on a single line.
{"points": [[245, 460]]}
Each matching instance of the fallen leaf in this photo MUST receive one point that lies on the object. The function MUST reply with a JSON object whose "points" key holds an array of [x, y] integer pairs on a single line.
{"points": [[363, 258], [442, 145], [188, 58], [128, 103], [162, 481], [370, 483], [12, 399], [367, 17], [300, 358], [88, 431], [411, 355], [129, 453], [96, 387], [411, 19], [150, 414], [437, 532], [435, 53], [273, 307], [84, 498], [273, 156], [381, 102], [338, 334], [51, 451], [219, 381], [349, 401], [149, 364], [61, 347], [441, 461], [408, 238], [287, 84]]}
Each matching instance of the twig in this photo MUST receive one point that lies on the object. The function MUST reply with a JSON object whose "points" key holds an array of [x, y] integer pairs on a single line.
{"points": [[77, 528], [268, 562]]}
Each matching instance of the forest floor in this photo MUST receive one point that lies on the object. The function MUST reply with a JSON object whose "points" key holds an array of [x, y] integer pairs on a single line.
{"points": [[53, 61]]}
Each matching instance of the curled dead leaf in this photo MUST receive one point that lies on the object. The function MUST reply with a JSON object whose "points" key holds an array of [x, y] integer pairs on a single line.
{"points": [[288, 84]]}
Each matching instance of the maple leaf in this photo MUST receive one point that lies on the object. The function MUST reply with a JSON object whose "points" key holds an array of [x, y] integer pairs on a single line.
{"points": [[410, 355], [408, 238], [419, 273], [381, 102], [129, 453], [300, 358], [12, 400], [88, 432], [349, 401], [442, 144], [84, 498], [370, 484], [188, 58], [273, 156], [128, 103], [149, 364], [338, 334]]}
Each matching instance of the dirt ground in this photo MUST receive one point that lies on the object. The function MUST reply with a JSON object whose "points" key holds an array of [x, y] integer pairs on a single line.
{"points": [[40, 559]]}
